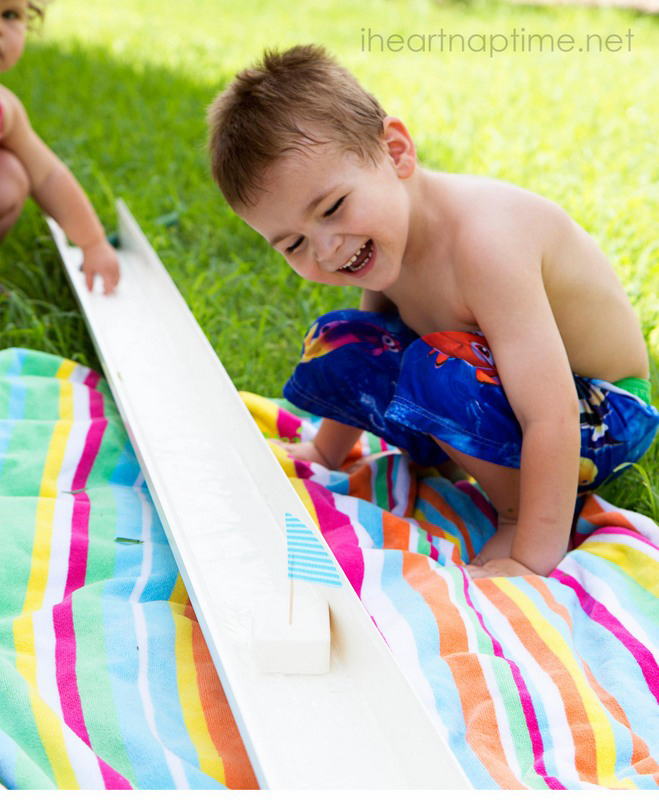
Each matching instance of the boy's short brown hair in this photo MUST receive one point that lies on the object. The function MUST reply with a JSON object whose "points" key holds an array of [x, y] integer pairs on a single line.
{"points": [[283, 104]]}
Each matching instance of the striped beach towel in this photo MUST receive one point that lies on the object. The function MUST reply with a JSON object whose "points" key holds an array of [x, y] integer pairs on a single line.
{"points": [[105, 678], [537, 682]]}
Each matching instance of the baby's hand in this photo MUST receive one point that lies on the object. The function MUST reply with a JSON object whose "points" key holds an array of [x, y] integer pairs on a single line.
{"points": [[304, 451], [101, 259]]}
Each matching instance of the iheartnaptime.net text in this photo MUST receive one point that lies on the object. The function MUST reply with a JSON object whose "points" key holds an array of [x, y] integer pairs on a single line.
{"points": [[492, 44]]}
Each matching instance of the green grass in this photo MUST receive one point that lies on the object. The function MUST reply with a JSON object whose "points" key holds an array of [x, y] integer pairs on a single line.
{"points": [[119, 90]]}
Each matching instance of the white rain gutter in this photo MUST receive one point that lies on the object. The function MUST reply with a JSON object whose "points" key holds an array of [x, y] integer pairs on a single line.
{"points": [[222, 498]]}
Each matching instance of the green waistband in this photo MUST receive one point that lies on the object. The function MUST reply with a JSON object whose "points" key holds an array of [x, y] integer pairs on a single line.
{"points": [[636, 386]]}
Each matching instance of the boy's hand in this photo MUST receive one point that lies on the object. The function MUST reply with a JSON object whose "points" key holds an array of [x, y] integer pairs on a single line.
{"points": [[498, 568], [304, 451], [101, 259]]}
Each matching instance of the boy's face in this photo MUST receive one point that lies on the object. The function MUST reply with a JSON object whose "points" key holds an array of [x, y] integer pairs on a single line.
{"points": [[336, 219], [13, 26]]}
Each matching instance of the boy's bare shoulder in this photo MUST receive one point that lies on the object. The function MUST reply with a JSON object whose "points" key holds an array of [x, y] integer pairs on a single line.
{"points": [[494, 220]]}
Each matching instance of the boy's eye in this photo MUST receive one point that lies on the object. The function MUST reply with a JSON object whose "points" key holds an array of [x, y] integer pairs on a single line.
{"points": [[10, 14], [295, 245], [336, 205]]}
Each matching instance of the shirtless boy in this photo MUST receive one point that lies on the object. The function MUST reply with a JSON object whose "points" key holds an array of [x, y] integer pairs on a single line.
{"points": [[492, 327]]}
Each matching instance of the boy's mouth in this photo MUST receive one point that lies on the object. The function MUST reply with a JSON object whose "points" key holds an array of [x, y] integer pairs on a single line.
{"points": [[359, 259]]}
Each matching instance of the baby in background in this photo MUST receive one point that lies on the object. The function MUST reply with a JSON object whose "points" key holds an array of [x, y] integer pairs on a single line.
{"points": [[29, 167], [493, 332]]}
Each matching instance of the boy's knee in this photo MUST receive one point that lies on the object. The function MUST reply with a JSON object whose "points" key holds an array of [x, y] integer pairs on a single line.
{"points": [[349, 367], [14, 184], [453, 375], [468, 348], [449, 389]]}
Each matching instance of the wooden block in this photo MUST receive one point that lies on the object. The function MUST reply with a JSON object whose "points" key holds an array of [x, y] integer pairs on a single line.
{"points": [[297, 644]]}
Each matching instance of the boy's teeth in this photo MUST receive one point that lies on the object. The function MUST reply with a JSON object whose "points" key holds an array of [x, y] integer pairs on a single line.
{"points": [[350, 264], [353, 258]]}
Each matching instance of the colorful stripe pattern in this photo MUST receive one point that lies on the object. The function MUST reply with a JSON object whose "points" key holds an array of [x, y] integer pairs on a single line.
{"points": [[537, 682], [106, 679], [307, 558]]}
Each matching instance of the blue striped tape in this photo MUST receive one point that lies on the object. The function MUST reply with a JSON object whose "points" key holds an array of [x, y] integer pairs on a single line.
{"points": [[307, 558]]}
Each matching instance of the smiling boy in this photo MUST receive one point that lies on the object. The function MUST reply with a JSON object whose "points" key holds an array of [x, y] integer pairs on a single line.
{"points": [[492, 330]]}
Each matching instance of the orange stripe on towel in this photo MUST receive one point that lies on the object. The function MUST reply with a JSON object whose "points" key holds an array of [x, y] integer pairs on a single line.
{"points": [[221, 724], [360, 483], [437, 501], [476, 700], [641, 758], [395, 532], [575, 711]]}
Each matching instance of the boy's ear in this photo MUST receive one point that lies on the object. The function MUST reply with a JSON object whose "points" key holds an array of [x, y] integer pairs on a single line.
{"points": [[400, 146]]}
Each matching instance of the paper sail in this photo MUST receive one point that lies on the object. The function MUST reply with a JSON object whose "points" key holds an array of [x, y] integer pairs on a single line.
{"points": [[307, 558]]}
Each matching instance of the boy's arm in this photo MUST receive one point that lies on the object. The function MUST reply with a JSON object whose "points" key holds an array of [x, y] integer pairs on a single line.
{"points": [[508, 299], [59, 194]]}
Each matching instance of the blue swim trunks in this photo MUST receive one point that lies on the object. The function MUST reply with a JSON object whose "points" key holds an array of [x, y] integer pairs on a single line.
{"points": [[371, 371]]}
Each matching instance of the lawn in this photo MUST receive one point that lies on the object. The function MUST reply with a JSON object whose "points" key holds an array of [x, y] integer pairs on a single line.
{"points": [[119, 91]]}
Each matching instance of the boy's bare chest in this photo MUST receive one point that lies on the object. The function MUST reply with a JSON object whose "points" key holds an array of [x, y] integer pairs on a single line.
{"points": [[433, 303]]}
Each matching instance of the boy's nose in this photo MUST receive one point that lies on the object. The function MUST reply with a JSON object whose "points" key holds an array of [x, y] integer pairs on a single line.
{"points": [[327, 250]]}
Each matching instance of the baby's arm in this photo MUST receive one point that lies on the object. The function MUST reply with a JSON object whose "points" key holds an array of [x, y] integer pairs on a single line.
{"points": [[59, 194], [504, 289]]}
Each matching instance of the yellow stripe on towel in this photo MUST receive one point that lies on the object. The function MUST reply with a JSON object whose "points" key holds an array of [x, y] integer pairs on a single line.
{"points": [[48, 724], [210, 762], [605, 750], [639, 567]]}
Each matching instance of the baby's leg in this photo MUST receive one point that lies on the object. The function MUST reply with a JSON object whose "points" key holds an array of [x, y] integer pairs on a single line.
{"points": [[14, 189], [449, 388], [501, 484]]}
